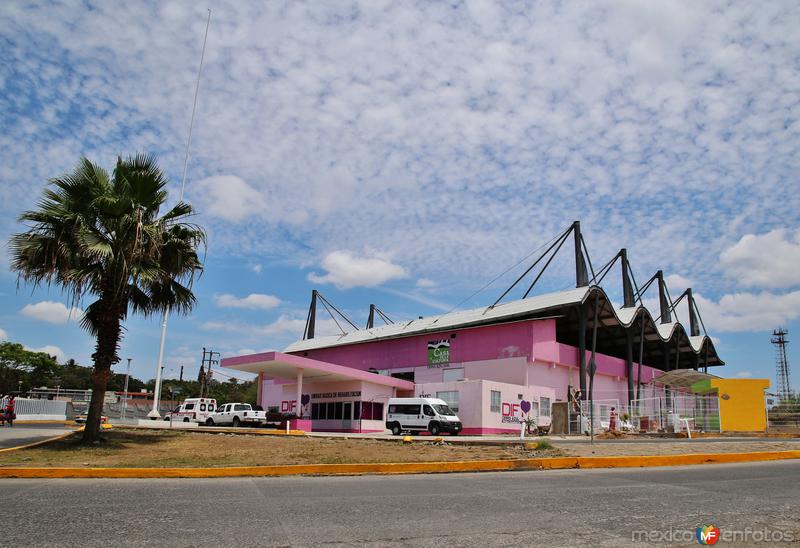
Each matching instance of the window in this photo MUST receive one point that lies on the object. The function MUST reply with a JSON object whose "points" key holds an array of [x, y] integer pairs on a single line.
{"points": [[428, 411], [210, 407], [273, 409], [241, 407], [544, 406], [202, 407], [453, 374], [495, 401], [450, 397], [337, 410], [357, 410], [189, 406], [331, 412], [314, 411], [372, 411]]}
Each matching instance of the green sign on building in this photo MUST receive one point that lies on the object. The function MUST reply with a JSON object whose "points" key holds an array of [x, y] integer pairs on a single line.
{"points": [[438, 352]]}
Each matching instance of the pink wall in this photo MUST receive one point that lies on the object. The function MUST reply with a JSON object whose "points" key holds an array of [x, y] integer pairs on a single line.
{"points": [[475, 403], [484, 343]]}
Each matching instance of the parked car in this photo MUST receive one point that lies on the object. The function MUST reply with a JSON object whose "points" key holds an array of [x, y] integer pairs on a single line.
{"points": [[193, 410], [237, 414], [81, 418], [421, 414]]}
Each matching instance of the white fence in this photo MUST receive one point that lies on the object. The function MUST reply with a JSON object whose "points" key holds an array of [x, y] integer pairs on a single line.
{"points": [[675, 412], [40, 410], [580, 421]]}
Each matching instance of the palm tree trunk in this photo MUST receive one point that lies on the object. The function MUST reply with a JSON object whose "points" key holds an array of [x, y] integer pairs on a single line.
{"points": [[104, 357]]}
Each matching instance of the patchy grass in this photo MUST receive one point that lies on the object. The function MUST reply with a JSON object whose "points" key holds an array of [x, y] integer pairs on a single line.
{"points": [[165, 448]]}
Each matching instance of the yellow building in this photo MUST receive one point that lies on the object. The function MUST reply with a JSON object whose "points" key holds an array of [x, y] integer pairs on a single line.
{"points": [[742, 402]]}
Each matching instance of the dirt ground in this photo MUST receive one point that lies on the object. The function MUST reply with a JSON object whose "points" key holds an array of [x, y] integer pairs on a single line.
{"points": [[671, 447], [139, 448], [163, 448]]}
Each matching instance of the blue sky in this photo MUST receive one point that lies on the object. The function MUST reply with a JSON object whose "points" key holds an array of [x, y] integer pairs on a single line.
{"points": [[407, 153]]}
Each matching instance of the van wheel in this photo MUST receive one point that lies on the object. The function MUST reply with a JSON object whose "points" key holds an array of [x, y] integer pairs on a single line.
{"points": [[434, 429], [166, 418], [185, 419], [209, 422], [396, 431], [236, 422]]}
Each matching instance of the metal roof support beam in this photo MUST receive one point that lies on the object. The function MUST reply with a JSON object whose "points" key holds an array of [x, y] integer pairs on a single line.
{"points": [[582, 350], [627, 286], [663, 299], [629, 363], [581, 274], [311, 319], [694, 329], [371, 318]]}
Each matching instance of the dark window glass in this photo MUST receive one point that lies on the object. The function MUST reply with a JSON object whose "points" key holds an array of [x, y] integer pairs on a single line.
{"points": [[202, 407], [393, 409], [314, 411], [241, 407], [377, 411], [331, 412], [189, 406], [337, 410], [357, 410], [428, 411]]}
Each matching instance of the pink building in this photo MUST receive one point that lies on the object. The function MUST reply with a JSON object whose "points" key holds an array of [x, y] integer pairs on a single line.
{"points": [[482, 362]]}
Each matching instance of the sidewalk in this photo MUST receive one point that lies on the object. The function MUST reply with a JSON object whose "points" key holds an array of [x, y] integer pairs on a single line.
{"points": [[23, 434]]}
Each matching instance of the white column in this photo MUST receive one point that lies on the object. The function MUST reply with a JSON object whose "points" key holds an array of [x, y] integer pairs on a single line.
{"points": [[299, 392]]}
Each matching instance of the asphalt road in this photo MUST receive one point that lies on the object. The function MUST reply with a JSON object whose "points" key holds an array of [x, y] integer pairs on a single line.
{"points": [[561, 508]]}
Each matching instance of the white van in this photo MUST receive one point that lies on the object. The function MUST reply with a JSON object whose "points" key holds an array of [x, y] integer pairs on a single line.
{"points": [[193, 410], [420, 414]]}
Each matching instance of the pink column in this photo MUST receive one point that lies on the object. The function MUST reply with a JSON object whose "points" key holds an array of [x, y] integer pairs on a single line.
{"points": [[299, 392]]}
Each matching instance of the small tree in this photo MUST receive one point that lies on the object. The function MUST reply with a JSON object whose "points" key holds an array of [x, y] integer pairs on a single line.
{"points": [[101, 235]]}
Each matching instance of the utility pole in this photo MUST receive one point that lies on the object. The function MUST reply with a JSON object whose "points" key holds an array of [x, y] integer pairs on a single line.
{"points": [[125, 390], [181, 376], [208, 360], [782, 377]]}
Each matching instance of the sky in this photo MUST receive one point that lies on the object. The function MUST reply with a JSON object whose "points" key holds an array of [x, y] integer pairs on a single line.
{"points": [[406, 154]]}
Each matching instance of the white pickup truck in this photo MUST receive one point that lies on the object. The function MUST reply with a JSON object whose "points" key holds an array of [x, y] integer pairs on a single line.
{"points": [[237, 414]]}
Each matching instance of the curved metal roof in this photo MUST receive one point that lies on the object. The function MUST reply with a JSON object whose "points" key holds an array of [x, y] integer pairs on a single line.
{"points": [[564, 304]]}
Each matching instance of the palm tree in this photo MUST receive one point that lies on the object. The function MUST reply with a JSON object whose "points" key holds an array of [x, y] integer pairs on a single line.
{"points": [[101, 236]]}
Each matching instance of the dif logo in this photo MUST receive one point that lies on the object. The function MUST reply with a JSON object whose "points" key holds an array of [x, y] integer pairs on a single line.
{"points": [[707, 535]]}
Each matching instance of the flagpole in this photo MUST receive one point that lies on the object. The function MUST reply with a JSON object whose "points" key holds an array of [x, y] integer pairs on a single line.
{"points": [[154, 414]]}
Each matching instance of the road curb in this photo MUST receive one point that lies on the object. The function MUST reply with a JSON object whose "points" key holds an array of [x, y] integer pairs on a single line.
{"points": [[554, 463]]}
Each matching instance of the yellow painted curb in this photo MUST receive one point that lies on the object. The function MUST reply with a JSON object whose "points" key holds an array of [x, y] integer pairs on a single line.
{"points": [[400, 468]]}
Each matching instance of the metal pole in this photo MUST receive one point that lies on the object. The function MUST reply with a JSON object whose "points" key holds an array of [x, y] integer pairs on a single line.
{"points": [[154, 414], [125, 390]]}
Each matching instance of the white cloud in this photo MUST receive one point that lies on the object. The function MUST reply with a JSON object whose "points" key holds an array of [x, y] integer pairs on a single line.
{"points": [[749, 311], [257, 268], [229, 197], [3, 335], [744, 374], [425, 283], [676, 282], [252, 301], [50, 350], [467, 138], [52, 312], [284, 325], [345, 270], [769, 260]]}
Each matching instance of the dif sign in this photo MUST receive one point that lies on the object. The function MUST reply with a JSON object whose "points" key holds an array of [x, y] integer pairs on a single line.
{"points": [[438, 352]]}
